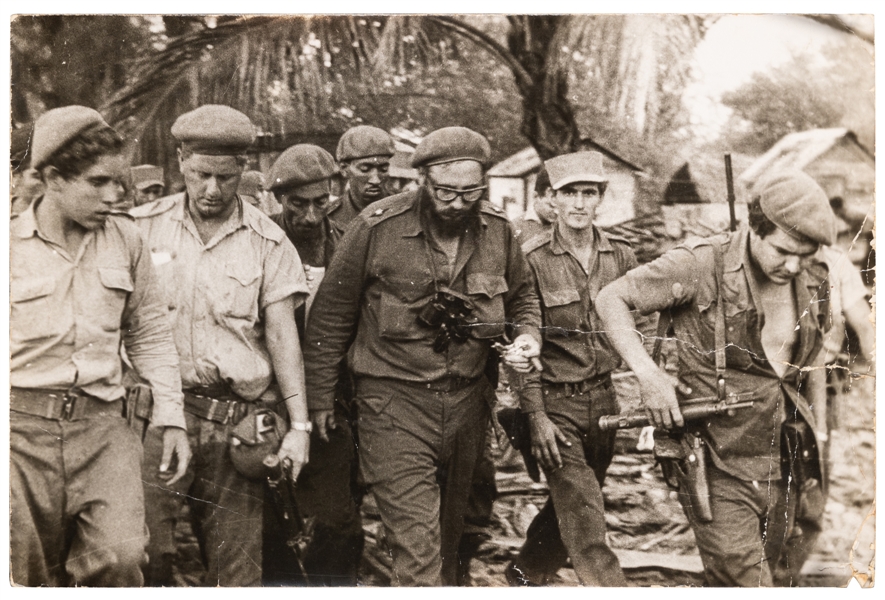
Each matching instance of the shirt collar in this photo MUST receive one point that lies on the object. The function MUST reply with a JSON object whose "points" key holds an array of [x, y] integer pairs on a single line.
{"points": [[558, 245], [240, 218], [25, 224], [738, 253]]}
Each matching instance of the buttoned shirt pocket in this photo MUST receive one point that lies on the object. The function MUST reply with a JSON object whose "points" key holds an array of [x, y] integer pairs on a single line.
{"points": [[487, 292], [117, 285], [563, 311], [31, 311], [401, 302], [241, 286]]}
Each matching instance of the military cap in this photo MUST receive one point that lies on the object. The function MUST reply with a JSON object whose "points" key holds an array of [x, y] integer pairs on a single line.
{"points": [[364, 141], [57, 127], [451, 144], [795, 202], [214, 129], [251, 183], [576, 167], [144, 176], [300, 165]]}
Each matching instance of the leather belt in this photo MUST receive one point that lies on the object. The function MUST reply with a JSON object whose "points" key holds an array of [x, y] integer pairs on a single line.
{"points": [[449, 384], [63, 405], [580, 387], [221, 410]]}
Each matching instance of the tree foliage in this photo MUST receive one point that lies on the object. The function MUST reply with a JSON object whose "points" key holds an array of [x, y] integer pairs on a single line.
{"points": [[830, 88]]}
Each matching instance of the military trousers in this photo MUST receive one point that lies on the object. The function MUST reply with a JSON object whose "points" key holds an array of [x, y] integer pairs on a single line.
{"points": [[226, 508], [572, 523], [419, 444], [76, 504], [744, 544]]}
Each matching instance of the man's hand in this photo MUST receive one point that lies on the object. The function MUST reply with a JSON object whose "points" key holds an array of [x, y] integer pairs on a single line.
{"points": [[175, 444], [544, 437], [294, 451], [324, 421], [658, 391], [522, 355]]}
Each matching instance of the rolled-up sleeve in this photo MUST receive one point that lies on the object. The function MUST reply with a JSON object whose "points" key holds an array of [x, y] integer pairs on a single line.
{"points": [[148, 340], [283, 276], [334, 316], [666, 282]]}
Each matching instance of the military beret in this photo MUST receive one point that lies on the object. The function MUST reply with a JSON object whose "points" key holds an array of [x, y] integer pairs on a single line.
{"points": [[451, 144], [795, 202], [364, 141], [575, 167], [300, 165], [57, 127], [144, 176], [214, 129], [251, 183]]}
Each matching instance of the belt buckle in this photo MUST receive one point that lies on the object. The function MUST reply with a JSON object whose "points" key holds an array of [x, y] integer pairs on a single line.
{"points": [[212, 407], [68, 403]]}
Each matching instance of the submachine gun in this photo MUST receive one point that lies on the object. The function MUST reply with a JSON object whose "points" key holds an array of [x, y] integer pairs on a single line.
{"points": [[297, 530]]}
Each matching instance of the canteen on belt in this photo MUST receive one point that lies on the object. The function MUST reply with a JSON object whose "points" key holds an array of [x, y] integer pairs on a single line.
{"points": [[256, 436]]}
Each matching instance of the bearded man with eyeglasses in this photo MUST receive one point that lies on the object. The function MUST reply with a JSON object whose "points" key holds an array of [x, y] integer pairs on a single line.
{"points": [[421, 285]]}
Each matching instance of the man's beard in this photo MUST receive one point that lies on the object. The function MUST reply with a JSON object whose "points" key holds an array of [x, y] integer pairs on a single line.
{"points": [[449, 224]]}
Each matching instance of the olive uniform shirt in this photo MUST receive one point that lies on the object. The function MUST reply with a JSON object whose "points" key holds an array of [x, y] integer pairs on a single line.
{"points": [[746, 444], [575, 346], [381, 278], [216, 293], [343, 210], [68, 315]]}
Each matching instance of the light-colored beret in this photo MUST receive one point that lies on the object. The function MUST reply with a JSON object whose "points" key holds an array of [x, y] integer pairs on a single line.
{"points": [[364, 141], [144, 176], [795, 202], [57, 127], [300, 165], [214, 129]]}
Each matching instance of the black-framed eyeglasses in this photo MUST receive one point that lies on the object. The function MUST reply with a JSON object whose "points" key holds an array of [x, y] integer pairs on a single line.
{"points": [[447, 194]]}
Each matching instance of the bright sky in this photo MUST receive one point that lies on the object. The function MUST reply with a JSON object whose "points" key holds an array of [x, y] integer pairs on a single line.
{"points": [[736, 47]]}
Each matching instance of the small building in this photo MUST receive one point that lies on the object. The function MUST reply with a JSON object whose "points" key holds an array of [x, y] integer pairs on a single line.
{"points": [[842, 166], [512, 185]]}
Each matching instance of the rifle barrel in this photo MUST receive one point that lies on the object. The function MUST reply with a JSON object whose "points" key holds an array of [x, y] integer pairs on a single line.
{"points": [[729, 181], [689, 413]]}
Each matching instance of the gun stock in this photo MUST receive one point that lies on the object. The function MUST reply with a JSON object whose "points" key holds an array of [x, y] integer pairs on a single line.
{"points": [[298, 530], [700, 408]]}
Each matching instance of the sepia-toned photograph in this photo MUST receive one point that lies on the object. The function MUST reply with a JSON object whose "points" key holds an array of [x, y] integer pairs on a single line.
{"points": [[434, 300]]}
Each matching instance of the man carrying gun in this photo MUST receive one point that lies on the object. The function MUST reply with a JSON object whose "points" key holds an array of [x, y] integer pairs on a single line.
{"points": [[570, 264], [748, 310]]}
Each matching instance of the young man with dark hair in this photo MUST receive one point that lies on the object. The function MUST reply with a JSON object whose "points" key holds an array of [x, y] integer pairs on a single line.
{"points": [[570, 263], [81, 281], [749, 311], [543, 214]]}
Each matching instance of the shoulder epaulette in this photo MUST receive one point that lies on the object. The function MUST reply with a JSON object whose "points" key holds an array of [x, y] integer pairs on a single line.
{"points": [[262, 224], [536, 241], [490, 209], [380, 211], [157, 207], [617, 238]]}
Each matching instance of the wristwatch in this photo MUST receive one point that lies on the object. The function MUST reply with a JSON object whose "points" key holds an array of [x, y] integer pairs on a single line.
{"points": [[308, 427]]}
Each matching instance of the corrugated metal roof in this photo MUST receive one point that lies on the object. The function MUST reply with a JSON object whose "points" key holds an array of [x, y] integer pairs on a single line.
{"points": [[797, 151]]}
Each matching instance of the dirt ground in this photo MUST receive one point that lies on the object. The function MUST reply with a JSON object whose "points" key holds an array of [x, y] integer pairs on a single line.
{"points": [[646, 526]]}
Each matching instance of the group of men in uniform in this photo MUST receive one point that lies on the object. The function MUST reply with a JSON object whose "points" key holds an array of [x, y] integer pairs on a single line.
{"points": [[366, 333]]}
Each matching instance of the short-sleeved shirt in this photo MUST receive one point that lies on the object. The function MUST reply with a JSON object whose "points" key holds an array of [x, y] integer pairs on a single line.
{"points": [[69, 314], [575, 345], [216, 293], [683, 282], [380, 280], [846, 290]]}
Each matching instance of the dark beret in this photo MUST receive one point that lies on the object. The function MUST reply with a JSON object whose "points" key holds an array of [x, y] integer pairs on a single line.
{"points": [[364, 141], [795, 202], [451, 144], [214, 129], [300, 165], [57, 127]]}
